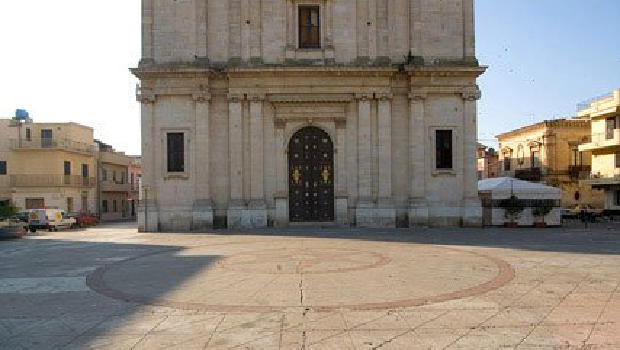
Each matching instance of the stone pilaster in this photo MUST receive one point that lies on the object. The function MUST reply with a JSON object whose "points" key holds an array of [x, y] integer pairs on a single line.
{"points": [[342, 199], [246, 32], [385, 212], [201, 30], [418, 207], [471, 206], [235, 159], [372, 29], [364, 148], [256, 214], [147, 32], [281, 197], [148, 212], [203, 210], [469, 44]]}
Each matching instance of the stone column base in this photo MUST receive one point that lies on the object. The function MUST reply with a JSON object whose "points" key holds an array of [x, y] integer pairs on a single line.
{"points": [[152, 217], [252, 216], [202, 216], [471, 212], [281, 219], [342, 211], [418, 214], [369, 215]]}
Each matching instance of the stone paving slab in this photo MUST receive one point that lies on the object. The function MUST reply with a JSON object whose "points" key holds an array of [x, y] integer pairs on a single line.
{"points": [[113, 288]]}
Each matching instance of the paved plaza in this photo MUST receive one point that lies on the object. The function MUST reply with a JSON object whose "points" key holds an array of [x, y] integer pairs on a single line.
{"points": [[111, 287]]}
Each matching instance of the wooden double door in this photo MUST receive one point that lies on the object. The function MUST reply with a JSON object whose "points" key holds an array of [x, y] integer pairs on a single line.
{"points": [[311, 176]]}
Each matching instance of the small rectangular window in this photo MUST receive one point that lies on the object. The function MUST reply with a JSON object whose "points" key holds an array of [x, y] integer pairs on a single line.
{"points": [[84, 170], [104, 175], [617, 159], [176, 152], [610, 126], [3, 167], [443, 149], [67, 168], [507, 164], [309, 27], [104, 206], [114, 175], [114, 206], [28, 135]]}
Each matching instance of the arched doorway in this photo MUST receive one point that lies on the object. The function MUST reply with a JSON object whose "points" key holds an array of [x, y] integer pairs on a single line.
{"points": [[311, 176]]}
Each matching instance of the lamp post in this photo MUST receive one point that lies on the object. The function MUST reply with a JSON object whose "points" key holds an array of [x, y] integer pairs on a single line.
{"points": [[145, 190]]}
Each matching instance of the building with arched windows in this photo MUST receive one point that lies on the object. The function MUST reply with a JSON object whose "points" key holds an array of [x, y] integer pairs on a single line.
{"points": [[323, 112]]}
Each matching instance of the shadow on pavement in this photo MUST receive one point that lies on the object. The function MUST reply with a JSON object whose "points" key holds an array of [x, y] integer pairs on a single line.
{"points": [[45, 302]]}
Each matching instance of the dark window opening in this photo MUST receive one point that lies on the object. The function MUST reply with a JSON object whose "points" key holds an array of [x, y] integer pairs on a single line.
{"points": [[176, 152], [444, 149], [507, 164], [84, 170], [610, 126], [67, 167], [28, 135], [309, 24], [3, 167], [104, 206]]}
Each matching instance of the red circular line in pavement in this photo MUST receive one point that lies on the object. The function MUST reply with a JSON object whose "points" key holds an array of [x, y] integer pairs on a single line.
{"points": [[506, 273]]}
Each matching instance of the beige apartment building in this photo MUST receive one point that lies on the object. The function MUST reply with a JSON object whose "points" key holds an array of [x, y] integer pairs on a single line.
{"points": [[117, 192], [59, 165], [322, 112], [548, 152], [488, 162], [604, 146], [47, 165]]}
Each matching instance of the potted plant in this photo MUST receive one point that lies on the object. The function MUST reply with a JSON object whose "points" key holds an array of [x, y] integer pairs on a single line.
{"points": [[540, 210], [513, 207]]}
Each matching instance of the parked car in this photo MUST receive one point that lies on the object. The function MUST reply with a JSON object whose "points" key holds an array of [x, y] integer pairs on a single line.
{"points": [[587, 212], [12, 228], [49, 219], [85, 219]]}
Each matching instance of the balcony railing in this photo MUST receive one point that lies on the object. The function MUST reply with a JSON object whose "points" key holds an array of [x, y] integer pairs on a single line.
{"points": [[52, 143], [602, 140], [579, 172], [113, 186], [51, 180], [530, 174]]}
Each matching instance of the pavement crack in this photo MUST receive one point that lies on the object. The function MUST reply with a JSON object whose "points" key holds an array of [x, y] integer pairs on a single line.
{"points": [[214, 331]]}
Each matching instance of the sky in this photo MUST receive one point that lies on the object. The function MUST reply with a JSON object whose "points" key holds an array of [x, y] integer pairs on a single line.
{"points": [[69, 60]]}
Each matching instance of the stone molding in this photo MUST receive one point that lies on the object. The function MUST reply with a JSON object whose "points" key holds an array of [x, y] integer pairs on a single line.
{"points": [[384, 96], [471, 95], [146, 97], [310, 98], [201, 96], [235, 97], [364, 96], [417, 97], [254, 97]]}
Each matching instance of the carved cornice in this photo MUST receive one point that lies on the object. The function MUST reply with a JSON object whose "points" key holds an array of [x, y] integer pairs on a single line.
{"points": [[310, 98], [171, 71], [471, 95], [384, 96], [364, 96], [201, 96], [146, 97], [235, 97], [434, 71], [313, 71], [255, 97], [417, 97]]}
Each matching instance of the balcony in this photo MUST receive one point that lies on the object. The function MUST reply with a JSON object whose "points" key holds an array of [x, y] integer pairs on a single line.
{"points": [[601, 141], [52, 144], [52, 180], [599, 180], [531, 174], [579, 172], [114, 186]]}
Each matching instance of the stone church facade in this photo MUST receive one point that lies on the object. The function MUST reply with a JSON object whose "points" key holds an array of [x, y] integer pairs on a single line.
{"points": [[292, 112]]}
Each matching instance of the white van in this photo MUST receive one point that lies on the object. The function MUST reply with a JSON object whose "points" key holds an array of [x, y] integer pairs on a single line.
{"points": [[50, 219]]}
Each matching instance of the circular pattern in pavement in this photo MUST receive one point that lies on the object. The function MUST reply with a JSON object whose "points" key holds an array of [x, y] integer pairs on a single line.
{"points": [[304, 261], [319, 274]]}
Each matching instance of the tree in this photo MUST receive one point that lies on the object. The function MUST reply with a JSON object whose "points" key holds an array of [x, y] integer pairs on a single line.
{"points": [[543, 207], [8, 210], [513, 207]]}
